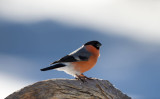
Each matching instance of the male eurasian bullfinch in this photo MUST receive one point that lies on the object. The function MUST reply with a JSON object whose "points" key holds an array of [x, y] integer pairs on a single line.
{"points": [[79, 61]]}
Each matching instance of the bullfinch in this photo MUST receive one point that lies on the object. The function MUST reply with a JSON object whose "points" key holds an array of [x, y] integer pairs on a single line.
{"points": [[79, 61]]}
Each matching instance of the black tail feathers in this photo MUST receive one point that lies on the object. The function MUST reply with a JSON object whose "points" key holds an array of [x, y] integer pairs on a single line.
{"points": [[53, 67]]}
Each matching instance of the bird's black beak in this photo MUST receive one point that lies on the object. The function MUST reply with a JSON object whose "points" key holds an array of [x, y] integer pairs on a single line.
{"points": [[98, 45]]}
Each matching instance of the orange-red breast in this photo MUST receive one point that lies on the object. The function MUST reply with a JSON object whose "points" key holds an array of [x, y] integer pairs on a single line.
{"points": [[79, 61]]}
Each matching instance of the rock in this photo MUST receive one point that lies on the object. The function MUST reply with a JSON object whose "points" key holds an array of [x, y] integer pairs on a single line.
{"points": [[69, 89]]}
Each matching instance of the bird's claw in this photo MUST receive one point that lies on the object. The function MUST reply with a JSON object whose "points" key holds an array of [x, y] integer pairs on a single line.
{"points": [[83, 78]]}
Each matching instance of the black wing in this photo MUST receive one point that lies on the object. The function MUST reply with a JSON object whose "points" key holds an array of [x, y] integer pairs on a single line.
{"points": [[67, 58], [81, 54], [70, 58]]}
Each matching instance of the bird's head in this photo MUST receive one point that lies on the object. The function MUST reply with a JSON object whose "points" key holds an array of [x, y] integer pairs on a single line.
{"points": [[96, 44]]}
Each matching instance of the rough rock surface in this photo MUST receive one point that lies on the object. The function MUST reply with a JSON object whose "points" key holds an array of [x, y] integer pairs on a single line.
{"points": [[69, 89]]}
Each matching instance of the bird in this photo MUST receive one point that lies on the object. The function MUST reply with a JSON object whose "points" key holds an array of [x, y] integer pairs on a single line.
{"points": [[78, 61]]}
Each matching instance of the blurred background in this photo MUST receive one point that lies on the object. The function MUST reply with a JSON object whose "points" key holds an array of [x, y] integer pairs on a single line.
{"points": [[34, 33]]}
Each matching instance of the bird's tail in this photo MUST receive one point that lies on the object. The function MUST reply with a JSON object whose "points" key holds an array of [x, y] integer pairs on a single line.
{"points": [[53, 67]]}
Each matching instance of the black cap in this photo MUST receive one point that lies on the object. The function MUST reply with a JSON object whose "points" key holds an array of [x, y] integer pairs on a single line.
{"points": [[96, 44]]}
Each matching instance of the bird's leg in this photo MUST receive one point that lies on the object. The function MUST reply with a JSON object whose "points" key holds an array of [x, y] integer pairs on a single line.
{"points": [[79, 77], [85, 77]]}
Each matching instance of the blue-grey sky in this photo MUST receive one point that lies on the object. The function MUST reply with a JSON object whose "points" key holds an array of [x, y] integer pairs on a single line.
{"points": [[34, 34]]}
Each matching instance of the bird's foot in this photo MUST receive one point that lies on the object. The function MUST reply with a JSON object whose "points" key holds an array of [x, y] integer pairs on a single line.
{"points": [[80, 78], [89, 78], [83, 78]]}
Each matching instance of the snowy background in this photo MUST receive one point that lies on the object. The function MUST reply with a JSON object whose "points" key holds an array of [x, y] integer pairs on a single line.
{"points": [[34, 33]]}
